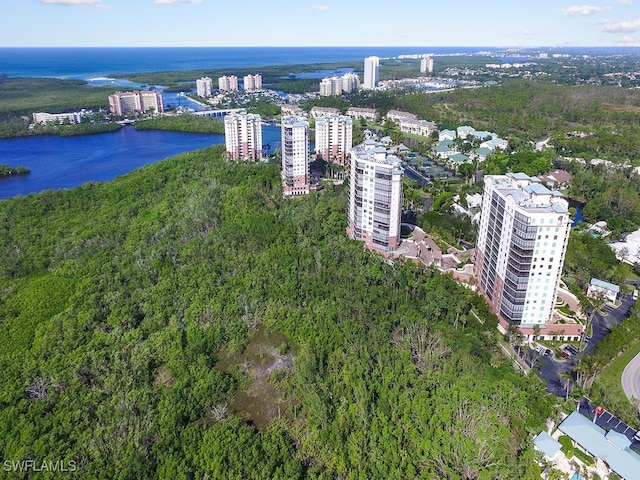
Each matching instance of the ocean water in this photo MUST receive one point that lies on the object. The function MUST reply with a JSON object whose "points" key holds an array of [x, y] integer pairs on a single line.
{"points": [[86, 63]]}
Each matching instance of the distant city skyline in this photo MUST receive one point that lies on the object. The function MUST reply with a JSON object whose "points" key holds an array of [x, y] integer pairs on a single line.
{"points": [[207, 23]]}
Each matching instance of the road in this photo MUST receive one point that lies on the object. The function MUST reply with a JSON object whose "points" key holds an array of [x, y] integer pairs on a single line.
{"points": [[631, 379], [550, 369]]}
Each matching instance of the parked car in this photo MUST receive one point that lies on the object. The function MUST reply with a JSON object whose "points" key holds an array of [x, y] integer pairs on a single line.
{"points": [[572, 350], [548, 352]]}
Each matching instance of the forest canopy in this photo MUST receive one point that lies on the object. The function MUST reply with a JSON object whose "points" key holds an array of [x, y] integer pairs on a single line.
{"points": [[120, 300]]}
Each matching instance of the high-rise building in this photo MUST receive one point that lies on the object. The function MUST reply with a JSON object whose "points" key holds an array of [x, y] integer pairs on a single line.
{"points": [[204, 86], [228, 83], [347, 83], [522, 240], [350, 82], [243, 136], [426, 64], [252, 82], [371, 65], [123, 103], [334, 138], [375, 197], [295, 156]]}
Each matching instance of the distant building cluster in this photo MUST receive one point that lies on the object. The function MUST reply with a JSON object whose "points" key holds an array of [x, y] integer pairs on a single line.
{"points": [[334, 138], [317, 112], [228, 83], [69, 117], [409, 123], [371, 74], [447, 149], [243, 136], [375, 197], [295, 156], [347, 83], [204, 87], [123, 103], [357, 113]]}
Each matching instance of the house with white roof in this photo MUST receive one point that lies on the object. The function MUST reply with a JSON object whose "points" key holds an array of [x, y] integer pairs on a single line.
{"points": [[599, 288], [482, 134], [464, 131], [494, 143], [446, 135]]}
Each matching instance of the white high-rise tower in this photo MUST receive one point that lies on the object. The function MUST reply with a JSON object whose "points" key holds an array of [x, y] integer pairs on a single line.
{"points": [[522, 240], [371, 65], [295, 156]]}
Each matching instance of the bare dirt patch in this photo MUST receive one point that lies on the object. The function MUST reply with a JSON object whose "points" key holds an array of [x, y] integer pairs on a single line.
{"points": [[260, 368]]}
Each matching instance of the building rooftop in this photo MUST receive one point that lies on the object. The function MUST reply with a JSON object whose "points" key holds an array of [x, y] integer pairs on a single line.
{"points": [[546, 444], [611, 447], [606, 285], [528, 193]]}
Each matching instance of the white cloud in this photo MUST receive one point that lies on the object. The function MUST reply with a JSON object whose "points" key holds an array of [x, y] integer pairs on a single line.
{"points": [[622, 27], [623, 2], [583, 10], [322, 8], [175, 2], [74, 3], [628, 41]]}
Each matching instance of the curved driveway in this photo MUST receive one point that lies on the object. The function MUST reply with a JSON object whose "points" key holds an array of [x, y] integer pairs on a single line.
{"points": [[631, 379]]}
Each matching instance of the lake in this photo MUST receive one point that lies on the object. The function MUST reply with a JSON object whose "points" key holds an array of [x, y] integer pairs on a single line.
{"points": [[67, 162]]}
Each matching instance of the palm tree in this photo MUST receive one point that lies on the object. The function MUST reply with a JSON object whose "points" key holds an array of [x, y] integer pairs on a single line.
{"points": [[567, 378]]}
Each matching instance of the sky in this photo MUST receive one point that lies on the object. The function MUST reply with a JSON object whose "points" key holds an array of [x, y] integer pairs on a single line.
{"points": [[222, 23]]}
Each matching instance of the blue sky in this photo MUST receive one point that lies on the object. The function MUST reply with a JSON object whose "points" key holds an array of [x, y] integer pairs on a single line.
{"points": [[34, 23]]}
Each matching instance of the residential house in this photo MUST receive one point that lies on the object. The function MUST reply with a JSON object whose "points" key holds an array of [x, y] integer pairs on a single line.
{"points": [[556, 180], [601, 289], [316, 112], [447, 135]]}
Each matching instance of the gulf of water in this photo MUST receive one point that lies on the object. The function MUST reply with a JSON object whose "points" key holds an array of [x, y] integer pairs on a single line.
{"points": [[85, 63]]}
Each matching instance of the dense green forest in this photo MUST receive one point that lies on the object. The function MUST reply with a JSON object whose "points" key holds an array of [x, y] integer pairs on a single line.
{"points": [[524, 111], [182, 123], [23, 96], [130, 312]]}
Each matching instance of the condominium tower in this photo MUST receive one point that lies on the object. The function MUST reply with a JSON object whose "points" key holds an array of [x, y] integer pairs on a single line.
{"points": [[334, 137], [204, 86], [375, 197], [522, 240], [295, 156], [122, 103], [426, 64], [252, 82], [371, 65], [243, 136], [228, 83]]}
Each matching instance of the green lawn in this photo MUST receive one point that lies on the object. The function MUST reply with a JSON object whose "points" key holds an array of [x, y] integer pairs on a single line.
{"points": [[609, 382]]}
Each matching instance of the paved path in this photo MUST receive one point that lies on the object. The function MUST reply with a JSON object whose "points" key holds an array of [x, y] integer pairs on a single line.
{"points": [[631, 379]]}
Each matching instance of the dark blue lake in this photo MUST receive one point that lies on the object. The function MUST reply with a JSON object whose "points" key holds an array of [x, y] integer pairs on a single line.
{"points": [[67, 162]]}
